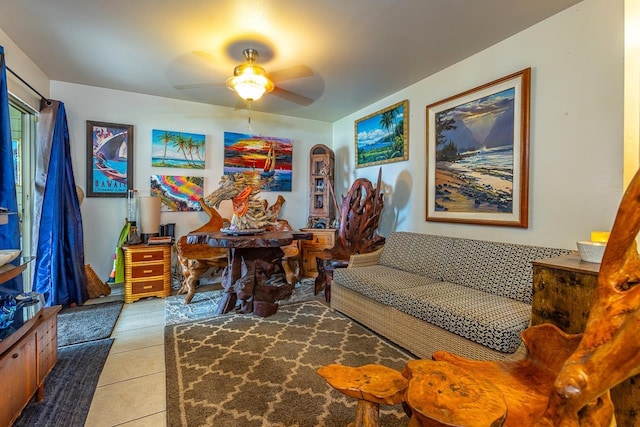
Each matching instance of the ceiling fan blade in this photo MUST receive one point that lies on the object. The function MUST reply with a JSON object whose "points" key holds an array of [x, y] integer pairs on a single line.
{"points": [[200, 85], [205, 55], [291, 96], [296, 72]]}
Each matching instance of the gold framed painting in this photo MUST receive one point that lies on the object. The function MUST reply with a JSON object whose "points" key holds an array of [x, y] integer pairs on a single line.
{"points": [[383, 137], [478, 154]]}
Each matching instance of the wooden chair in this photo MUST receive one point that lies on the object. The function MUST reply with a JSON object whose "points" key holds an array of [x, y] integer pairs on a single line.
{"points": [[197, 258], [564, 380], [358, 230]]}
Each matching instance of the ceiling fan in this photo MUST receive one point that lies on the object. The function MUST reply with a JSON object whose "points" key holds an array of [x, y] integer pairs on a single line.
{"points": [[250, 81]]}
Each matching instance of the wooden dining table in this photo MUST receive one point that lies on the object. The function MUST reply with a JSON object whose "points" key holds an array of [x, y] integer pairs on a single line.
{"points": [[254, 275]]}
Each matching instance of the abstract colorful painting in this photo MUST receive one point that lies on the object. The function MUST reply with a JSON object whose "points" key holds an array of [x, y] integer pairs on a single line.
{"points": [[171, 149], [269, 157], [178, 193]]}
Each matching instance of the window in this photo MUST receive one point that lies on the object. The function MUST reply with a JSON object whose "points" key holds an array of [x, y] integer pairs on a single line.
{"points": [[23, 138]]}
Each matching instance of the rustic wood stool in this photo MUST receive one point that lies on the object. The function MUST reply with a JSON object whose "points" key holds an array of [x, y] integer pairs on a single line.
{"points": [[442, 394], [370, 384]]}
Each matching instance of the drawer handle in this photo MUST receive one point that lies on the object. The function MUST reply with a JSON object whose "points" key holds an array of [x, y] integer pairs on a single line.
{"points": [[147, 256], [147, 271], [15, 355], [147, 287]]}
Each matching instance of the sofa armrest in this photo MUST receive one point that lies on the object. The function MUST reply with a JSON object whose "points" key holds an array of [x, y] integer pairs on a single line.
{"points": [[365, 260]]}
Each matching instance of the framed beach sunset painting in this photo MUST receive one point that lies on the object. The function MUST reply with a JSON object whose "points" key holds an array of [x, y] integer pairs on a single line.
{"points": [[383, 137], [478, 154], [269, 159]]}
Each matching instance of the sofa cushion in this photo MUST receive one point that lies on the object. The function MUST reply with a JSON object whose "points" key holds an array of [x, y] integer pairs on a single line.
{"points": [[423, 254], [378, 281], [488, 319], [502, 269]]}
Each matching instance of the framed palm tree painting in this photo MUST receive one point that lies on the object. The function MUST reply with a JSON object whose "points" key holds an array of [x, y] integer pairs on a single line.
{"points": [[383, 137], [171, 149]]}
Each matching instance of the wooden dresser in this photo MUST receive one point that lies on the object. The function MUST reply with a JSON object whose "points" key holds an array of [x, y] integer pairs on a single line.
{"points": [[28, 352], [147, 271], [323, 238], [563, 289]]}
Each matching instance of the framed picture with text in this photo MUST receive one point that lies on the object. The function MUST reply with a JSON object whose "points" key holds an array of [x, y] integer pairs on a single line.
{"points": [[109, 159], [478, 154]]}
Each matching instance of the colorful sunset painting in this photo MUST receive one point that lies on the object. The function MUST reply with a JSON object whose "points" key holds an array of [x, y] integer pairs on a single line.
{"points": [[270, 157], [177, 149], [178, 193]]}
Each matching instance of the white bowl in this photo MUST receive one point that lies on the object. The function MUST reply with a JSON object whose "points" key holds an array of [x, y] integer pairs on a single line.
{"points": [[591, 251], [8, 255]]}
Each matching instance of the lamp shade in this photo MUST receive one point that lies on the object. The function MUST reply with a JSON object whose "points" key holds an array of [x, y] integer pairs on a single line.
{"points": [[149, 207]]}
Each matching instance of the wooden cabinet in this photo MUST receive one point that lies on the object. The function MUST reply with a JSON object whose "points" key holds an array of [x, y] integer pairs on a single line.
{"points": [[322, 239], [563, 289], [147, 271], [26, 357], [321, 205]]}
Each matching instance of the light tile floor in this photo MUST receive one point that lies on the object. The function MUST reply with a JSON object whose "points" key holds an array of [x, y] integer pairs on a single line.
{"points": [[131, 389]]}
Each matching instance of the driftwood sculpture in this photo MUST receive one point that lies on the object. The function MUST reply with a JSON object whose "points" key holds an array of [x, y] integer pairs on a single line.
{"points": [[249, 212]]}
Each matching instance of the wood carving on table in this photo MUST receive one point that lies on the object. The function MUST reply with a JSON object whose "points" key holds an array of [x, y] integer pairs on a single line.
{"points": [[358, 226], [197, 258], [564, 380], [249, 212]]}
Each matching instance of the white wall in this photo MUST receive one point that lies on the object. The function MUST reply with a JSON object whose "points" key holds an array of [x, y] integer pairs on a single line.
{"points": [[103, 218], [20, 63], [576, 142]]}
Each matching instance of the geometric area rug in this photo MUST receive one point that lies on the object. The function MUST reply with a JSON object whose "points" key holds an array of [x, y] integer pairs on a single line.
{"points": [[245, 370]]}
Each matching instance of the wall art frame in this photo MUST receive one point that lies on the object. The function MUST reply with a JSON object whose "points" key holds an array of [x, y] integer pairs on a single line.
{"points": [[109, 159], [383, 137], [478, 154]]}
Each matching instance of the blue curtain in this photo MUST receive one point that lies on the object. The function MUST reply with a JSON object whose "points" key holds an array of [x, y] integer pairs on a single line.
{"points": [[59, 272], [10, 232]]}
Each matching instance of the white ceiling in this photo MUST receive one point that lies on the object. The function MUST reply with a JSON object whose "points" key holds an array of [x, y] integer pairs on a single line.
{"points": [[358, 50]]}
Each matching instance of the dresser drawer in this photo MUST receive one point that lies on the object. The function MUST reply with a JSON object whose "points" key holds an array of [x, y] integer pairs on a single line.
{"points": [[324, 239], [143, 271], [147, 286], [147, 256]]}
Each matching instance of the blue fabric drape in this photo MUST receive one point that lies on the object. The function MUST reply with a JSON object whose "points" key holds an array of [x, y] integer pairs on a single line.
{"points": [[59, 272], [10, 232]]}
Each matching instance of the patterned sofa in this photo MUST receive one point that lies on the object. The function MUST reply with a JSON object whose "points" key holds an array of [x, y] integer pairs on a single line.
{"points": [[429, 293]]}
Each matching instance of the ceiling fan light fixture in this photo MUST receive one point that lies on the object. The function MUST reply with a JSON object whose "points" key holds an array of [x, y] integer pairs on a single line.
{"points": [[250, 81]]}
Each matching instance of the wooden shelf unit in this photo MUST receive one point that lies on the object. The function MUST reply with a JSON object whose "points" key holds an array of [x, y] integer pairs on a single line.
{"points": [[321, 169], [147, 271]]}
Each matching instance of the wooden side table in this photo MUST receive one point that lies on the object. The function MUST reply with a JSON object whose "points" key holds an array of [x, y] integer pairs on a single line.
{"points": [[323, 238], [563, 289], [147, 271]]}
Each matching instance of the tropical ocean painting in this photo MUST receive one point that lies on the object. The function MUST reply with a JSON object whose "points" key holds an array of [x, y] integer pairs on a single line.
{"points": [[268, 157], [474, 155], [177, 149], [178, 193], [383, 137], [477, 154]]}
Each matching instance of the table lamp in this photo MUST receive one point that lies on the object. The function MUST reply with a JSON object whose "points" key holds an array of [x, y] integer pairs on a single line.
{"points": [[149, 216]]}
